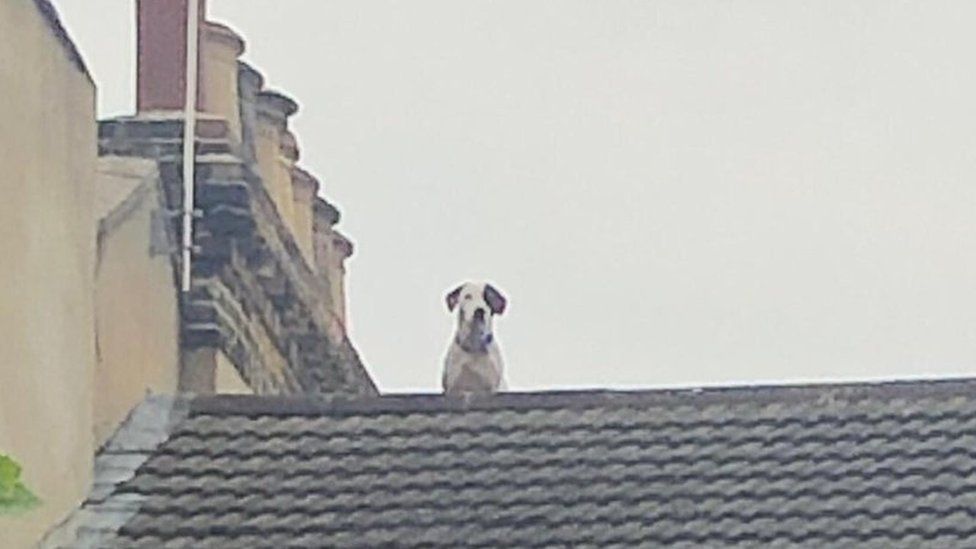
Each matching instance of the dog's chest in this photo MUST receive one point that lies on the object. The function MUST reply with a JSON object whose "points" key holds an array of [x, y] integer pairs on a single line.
{"points": [[462, 360], [474, 372]]}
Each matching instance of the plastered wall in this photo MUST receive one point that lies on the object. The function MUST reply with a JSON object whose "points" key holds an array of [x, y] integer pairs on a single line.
{"points": [[137, 316], [47, 251]]}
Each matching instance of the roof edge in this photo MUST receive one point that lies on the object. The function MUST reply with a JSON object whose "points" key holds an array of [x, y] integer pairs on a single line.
{"points": [[53, 20], [250, 405], [104, 511]]}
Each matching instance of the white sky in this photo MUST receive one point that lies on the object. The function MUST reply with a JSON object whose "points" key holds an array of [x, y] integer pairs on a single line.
{"points": [[670, 192]]}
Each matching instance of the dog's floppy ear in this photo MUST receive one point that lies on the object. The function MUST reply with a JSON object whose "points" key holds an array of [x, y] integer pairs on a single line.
{"points": [[495, 299], [453, 297]]}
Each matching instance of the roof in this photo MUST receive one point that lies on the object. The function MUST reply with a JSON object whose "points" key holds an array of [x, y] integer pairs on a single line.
{"points": [[866, 465]]}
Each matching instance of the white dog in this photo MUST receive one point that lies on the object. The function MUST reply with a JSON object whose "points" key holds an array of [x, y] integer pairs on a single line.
{"points": [[473, 363]]}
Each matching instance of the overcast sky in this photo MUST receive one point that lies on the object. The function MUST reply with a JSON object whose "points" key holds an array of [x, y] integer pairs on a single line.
{"points": [[675, 192]]}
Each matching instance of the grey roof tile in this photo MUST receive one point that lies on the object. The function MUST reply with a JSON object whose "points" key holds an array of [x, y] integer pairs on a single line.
{"points": [[890, 465]]}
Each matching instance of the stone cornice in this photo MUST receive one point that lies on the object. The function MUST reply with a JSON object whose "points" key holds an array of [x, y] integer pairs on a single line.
{"points": [[325, 212], [305, 181], [250, 76], [276, 106], [254, 296], [289, 146], [224, 35], [341, 243]]}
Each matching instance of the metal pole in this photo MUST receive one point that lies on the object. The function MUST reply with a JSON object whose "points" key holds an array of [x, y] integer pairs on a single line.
{"points": [[189, 135]]}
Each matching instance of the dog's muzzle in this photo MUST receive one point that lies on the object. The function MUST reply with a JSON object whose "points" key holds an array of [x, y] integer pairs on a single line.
{"points": [[478, 345], [476, 339]]}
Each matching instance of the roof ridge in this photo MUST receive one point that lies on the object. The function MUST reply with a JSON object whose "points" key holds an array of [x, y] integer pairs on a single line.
{"points": [[407, 403]]}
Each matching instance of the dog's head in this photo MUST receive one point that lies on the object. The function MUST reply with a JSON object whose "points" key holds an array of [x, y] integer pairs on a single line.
{"points": [[476, 304]]}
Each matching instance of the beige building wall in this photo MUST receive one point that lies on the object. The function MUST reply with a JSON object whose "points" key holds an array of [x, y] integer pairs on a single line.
{"points": [[47, 246], [137, 315]]}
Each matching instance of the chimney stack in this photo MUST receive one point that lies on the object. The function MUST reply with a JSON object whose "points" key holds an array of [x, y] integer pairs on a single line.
{"points": [[161, 60]]}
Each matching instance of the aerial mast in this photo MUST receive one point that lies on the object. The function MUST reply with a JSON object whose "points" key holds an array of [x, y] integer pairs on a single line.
{"points": [[189, 136]]}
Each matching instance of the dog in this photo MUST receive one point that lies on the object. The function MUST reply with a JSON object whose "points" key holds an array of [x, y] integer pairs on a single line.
{"points": [[474, 363]]}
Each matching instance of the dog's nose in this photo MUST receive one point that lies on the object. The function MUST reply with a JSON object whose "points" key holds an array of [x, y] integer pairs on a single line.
{"points": [[479, 314]]}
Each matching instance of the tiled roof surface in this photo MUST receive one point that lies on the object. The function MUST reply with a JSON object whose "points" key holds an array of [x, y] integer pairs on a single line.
{"points": [[890, 465]]}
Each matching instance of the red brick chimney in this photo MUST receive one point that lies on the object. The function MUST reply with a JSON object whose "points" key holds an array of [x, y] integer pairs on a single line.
{"points": [[161, 61]]}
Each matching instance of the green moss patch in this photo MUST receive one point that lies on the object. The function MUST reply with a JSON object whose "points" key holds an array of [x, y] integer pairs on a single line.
{"points": [[14, 496]]}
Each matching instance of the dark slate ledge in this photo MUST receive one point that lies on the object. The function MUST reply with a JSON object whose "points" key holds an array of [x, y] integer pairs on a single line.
{"points": [[248, 405]]}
